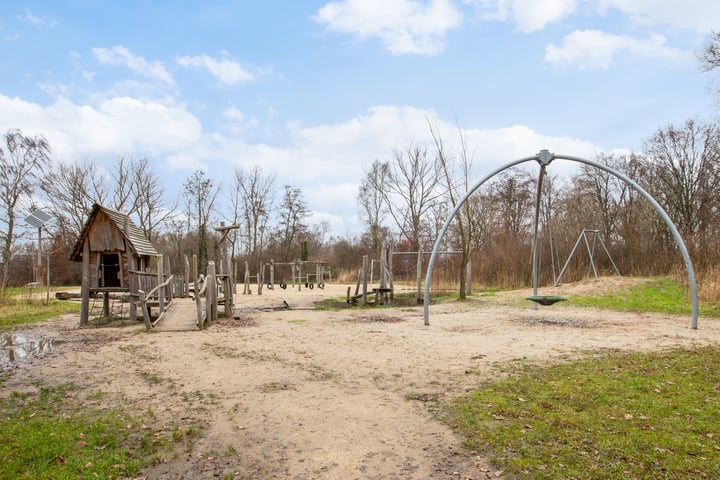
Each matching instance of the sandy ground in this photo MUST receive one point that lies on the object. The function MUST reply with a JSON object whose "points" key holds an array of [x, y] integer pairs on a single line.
{"points": [[342, 394]]}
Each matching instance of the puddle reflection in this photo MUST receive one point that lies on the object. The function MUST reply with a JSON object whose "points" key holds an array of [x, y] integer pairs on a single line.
{"points": [[16, 347]]}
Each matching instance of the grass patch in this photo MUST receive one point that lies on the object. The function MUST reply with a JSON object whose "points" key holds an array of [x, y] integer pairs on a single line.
{"points": [[650, 415], [46, 434], [17, 311], [655, 295]]}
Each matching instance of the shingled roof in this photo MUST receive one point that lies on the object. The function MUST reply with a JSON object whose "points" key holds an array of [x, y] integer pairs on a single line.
{"points": [[135, 235]]}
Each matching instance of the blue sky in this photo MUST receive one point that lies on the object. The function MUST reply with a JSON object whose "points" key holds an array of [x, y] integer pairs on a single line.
{"points": [[313, 91]]}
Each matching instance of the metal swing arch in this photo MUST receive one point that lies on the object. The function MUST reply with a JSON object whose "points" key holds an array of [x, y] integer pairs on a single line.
{"points": [[544, 158]]}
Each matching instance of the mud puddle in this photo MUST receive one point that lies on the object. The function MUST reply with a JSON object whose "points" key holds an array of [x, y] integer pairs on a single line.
{"points": [[17, 348]]}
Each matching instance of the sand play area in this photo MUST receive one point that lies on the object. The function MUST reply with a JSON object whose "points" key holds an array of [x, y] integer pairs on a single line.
{"points": [[302, 393]]}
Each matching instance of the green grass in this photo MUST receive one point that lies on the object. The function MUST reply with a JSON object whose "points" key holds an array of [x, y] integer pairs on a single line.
{"points": [[655, 295], [650, 415], [47, 434], [15, 311]]}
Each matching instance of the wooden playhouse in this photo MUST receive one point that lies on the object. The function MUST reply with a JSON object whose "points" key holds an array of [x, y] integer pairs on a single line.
{"points": [[116, 257]]}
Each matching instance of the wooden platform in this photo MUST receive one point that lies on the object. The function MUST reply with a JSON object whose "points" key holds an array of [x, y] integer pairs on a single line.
{"points": [[181, 316]]}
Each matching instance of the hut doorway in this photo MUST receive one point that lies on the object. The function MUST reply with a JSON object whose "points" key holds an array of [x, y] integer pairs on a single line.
{"points": [[110, 270]]}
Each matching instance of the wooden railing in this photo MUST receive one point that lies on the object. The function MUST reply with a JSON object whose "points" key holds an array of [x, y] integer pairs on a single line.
{"points": [[157, 292]]}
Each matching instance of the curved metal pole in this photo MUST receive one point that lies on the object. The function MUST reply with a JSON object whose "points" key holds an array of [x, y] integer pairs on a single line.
{"points": [[545, 157], [666, 218], [541, 175], [443, 230]]}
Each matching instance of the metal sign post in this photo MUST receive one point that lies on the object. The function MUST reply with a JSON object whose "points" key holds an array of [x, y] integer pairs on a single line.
{"points": [[38, 219]]}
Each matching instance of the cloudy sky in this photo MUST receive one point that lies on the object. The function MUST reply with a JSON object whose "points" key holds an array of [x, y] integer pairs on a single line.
{"points": [[313, 91]]}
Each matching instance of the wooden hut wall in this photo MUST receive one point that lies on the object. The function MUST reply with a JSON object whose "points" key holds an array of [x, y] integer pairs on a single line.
{"points": [[104, 236], [94, 269]]}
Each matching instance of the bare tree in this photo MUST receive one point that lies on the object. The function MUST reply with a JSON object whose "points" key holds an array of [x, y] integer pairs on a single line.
{"points": [[200, 195], [256, 201], [19, 170], [686, 176], [122, 197], [372, 200], [292, 227], [457, 182], [604, 195], [72, 189], [410, 191], [710, 57], [513, 195], [147, 198]]}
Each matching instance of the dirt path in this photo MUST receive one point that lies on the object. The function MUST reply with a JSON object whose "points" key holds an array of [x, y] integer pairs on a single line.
{"points": [[308, 394]]}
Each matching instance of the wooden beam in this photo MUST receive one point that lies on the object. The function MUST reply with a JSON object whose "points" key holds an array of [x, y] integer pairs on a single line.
{"points": [[85, 285]]}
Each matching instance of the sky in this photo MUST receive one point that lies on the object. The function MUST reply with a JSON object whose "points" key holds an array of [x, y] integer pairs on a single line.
{"points": [[314, 91]]}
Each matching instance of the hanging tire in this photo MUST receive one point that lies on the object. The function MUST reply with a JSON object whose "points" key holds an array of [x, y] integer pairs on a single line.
{"points": [[283, 285], [311, 286], [321, 285]]}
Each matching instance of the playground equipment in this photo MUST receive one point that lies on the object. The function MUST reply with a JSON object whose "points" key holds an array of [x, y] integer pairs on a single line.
{"points": [[299, 278], [384, 292], [596, 237], [544, 158]]}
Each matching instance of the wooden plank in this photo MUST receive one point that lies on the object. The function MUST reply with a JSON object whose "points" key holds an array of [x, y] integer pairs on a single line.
{"points": [[85, 285], [180, 317]]}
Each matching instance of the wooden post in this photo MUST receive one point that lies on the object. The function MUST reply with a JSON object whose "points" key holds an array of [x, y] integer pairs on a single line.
{"points": [[146, 314], [196, 290], [186, 278], [468, 277], [211, 300], [229, 303], [359, 281], [299, 275], [132, 276], [390, 272], [272, 273], [261, 277], [85, 284], [106, 304], [246, 287], [364, 279], [419, 273], [169, 288], [383, 266], [161, 279]]}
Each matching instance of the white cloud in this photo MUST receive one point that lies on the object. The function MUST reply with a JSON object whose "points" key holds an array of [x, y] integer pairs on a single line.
{"points": [[116, 125], [28, 17], [404, 26], [236, 120], [528, 15], [495, 147], [533, 15], [326, 161], [225, 70], [699, 15], [185, 161], [593, 49], [119, 55], [233, 114]]}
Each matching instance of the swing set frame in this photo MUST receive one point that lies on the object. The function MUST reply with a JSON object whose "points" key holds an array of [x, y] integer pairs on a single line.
{"points": [[544, 158]]}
